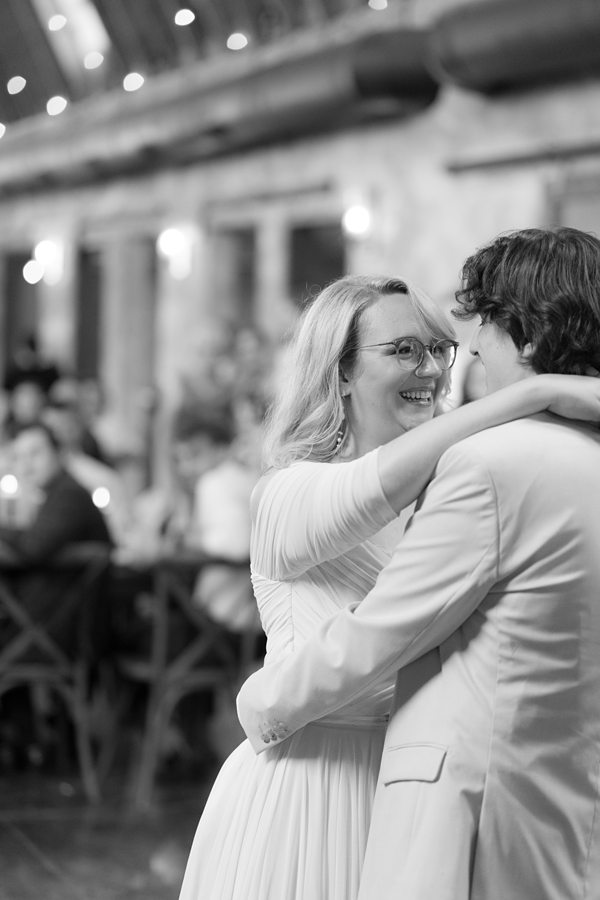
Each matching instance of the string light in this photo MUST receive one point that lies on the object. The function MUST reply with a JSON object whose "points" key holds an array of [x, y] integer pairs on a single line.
{"points": [[55, 23], [378, 4], [56, 105], [2, 129], [184, 17], [133, 81], [16, 84], [237, 41], [93, 59]]}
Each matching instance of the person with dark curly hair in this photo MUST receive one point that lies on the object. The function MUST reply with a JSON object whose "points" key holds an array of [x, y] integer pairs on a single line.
{"points": [[488, 610], [541, 289]]}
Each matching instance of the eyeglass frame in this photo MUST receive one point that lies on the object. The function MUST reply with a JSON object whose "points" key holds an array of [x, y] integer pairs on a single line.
{"points": [[409, 337]]}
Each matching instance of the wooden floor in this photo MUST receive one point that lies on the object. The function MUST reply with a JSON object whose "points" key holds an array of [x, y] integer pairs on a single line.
{"points": [[54, 846]]}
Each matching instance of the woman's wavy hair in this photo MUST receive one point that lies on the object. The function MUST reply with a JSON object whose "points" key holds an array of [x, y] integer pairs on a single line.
{"points": [[308, 411], [542, 287]]}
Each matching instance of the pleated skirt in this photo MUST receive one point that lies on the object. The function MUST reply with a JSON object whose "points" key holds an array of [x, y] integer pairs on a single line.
{"points": [[290, 823]]}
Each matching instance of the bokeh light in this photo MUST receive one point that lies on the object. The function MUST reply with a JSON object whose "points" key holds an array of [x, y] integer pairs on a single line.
{"points": [[133, 81], [55, 23], [16, 84], [101, 497], [56, 105], [184, 17], [175, 246], [33, 271], [356, 221], [93, 59], [237, 41], [50, 256], [9, 484]]}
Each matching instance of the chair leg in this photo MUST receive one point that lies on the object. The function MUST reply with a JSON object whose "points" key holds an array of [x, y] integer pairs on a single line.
{"points": [[157, 718], [83, 739], [113, 711]]}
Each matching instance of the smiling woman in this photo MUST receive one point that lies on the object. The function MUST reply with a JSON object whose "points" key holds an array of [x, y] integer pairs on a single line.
{"points": [[317, 399], [385, 393]]}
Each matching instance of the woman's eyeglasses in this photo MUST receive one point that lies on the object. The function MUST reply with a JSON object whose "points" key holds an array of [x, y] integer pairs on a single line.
{"points": [[410, 352]]}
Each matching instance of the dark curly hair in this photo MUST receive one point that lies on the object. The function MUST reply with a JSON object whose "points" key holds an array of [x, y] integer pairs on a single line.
{"points": [[542, 287]]}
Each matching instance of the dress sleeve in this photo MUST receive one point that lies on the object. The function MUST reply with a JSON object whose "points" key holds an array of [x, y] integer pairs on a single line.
{"points": [[312, 512]]}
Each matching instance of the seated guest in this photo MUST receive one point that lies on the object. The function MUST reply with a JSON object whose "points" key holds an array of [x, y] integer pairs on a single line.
{"points": [[55, 512], [58, 512], [65, 511]]}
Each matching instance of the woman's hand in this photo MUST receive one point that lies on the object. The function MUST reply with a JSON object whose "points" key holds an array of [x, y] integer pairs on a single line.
{"points": [[574, 396]]}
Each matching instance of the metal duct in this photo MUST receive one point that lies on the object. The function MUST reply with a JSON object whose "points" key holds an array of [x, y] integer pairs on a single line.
{"points": [[502, 44]]}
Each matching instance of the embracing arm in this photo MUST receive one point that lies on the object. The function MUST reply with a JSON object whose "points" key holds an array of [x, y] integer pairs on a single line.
{"points": [[439, 573], [406, 464]]}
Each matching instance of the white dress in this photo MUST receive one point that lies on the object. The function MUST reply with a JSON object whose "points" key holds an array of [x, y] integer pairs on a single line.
{"points": [[291, 823]]}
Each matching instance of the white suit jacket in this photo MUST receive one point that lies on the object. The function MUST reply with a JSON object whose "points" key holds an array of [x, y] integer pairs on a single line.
{"points": [[490, 607]]}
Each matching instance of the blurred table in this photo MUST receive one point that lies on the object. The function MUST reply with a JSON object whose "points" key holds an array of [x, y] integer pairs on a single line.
{"points": [[48, 629], [201, 659]]}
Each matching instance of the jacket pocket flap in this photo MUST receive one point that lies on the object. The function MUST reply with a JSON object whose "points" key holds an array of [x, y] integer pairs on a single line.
{"points": [[413, 762]]}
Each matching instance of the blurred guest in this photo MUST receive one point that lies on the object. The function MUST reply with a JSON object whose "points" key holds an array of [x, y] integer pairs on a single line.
{"points": [[57, 513], [226, 476], [162, 515], [101, 481], [209, 373], [27, 381], [68, 391], [24, 404], [65, 511], [28, 364]]}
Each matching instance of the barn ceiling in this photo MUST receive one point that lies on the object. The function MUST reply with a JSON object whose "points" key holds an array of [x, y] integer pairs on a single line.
{"points": [[52, 47]]}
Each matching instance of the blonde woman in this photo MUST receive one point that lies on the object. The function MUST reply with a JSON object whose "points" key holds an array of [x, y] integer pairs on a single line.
{"points": [[351, 441]]}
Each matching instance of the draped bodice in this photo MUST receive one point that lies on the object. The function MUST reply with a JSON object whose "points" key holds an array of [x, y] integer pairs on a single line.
{"points": [[321, 535]]}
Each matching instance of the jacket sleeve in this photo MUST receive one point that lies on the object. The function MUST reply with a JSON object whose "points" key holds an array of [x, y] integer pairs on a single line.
{"points": [[441, 570], [311, 512]]}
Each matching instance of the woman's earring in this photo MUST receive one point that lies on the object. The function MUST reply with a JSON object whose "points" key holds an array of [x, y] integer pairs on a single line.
{"points": [[339, 439]]}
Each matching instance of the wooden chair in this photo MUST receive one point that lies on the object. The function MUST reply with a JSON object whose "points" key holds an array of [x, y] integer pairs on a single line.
{"points": [[32, 656], [207, 662]]}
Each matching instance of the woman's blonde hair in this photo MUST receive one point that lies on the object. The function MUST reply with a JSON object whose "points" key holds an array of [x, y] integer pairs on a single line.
{"points": [[307, 412]]}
